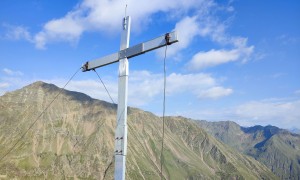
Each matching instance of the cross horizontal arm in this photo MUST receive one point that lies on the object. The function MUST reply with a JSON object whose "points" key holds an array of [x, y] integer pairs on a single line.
{"points": [[133, 51]]}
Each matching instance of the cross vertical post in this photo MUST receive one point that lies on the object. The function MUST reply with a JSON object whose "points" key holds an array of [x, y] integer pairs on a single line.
{"points": [[122, 57], [121, 131]]}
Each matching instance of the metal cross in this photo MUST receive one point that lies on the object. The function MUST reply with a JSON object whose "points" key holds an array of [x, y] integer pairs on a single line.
{"points": [[122, 56]]}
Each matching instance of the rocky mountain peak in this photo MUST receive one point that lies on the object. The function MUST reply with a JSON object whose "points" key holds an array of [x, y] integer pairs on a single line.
{"points": [[53, 89], [43, 85]]}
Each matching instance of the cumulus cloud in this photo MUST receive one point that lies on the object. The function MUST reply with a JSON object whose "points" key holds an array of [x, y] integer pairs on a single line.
{"points": [[216, 57], [145, 86], [284, 113], [105, 16], [91, 87], [187, 30], [203, 24], [10, 80], [196, 19], [215, 92], [67, 29], [278, 112], [206, 25], [4, 85], [212, 58]]}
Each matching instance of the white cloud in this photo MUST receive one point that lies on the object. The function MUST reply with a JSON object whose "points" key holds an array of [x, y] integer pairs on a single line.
{"points": [[202, 24], [93, 88], [68, 29], [206, 25], [284, 113], [195, 83], [11, 80], [277, 112], [215, 92], [105, 15], [4, 85], [216, 57], [197, 19], [212, 58], [11, 72], [187, 29], [17, 32], [145, 87]]}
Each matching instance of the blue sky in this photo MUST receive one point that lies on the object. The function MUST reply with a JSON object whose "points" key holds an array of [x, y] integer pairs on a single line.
{"points": [[236, 60]]}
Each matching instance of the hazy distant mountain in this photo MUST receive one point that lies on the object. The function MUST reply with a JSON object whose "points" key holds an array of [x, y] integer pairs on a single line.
{"points": [[295, 130], [277, 148], [74, 138]]}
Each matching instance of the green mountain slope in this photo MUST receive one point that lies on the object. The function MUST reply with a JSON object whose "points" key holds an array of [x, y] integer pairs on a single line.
{"points": [[74, 139], [278, 149]]}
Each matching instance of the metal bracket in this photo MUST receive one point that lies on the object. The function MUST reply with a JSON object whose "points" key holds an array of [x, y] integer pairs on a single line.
{"points": [[85, 67], [167, 38]]}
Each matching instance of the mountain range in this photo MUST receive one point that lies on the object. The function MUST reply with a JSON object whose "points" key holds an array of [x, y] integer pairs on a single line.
{"points": [[74, 139], [277, 148]]}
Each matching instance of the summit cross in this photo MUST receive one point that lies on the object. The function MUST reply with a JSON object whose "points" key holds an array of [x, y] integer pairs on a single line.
{"points": [[122, 57]]}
